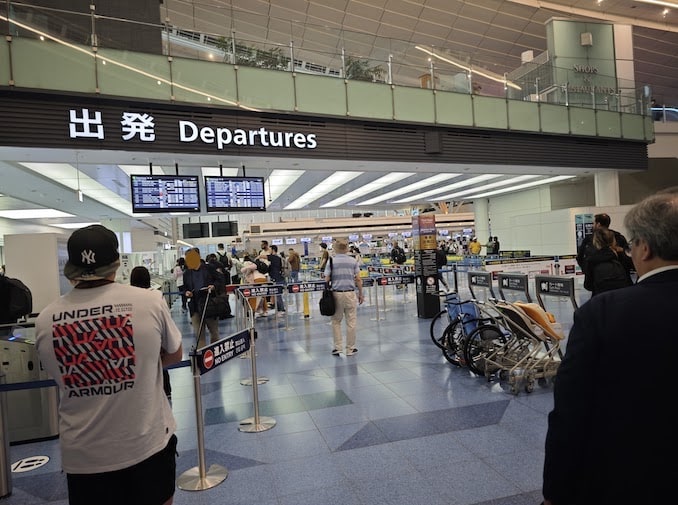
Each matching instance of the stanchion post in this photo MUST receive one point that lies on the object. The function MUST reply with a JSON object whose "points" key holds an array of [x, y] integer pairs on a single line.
{"points": [[197, 478], [256, 423], [307, 306]]}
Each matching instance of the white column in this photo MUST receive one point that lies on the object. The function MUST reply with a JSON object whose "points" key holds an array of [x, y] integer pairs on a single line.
{"points": [[607, 189], [481, 218]]}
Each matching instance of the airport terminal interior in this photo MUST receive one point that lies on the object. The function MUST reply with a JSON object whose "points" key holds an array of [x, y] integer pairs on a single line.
{"points": [[395, 423], [411, 417]]}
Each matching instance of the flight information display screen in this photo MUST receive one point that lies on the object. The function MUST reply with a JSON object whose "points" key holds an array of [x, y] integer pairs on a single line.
{"points": [[234, 194], [165, 193]]}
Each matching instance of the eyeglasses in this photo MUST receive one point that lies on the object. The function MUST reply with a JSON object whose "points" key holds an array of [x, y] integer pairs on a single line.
{"points": [[631, 241]]}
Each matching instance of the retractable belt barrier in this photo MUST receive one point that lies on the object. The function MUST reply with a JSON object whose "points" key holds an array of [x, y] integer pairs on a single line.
{"points": [[204, 360], [389, 280]]}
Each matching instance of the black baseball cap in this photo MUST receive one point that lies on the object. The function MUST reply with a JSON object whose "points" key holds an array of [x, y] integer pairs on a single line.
{"points": [[92, 254]]}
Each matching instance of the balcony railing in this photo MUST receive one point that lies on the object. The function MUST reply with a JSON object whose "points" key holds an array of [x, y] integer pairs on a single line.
{"points": [[312, 49]]}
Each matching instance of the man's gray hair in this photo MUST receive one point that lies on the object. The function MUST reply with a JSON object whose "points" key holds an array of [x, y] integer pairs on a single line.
{"points": [[341, 245], [655, 220]]}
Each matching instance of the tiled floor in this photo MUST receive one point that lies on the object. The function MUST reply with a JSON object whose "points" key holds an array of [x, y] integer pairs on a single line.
{"points": [[393, 424]]}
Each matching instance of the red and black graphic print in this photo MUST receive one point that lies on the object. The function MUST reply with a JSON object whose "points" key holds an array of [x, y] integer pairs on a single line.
{"points": [[96, 356]]}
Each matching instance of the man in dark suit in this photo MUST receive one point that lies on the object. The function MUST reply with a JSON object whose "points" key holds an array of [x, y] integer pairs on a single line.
{"points": [[612, 427]]}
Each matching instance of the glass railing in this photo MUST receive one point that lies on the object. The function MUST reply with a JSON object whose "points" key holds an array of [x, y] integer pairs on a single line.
{"points": [[664, 114], [286, 46]]}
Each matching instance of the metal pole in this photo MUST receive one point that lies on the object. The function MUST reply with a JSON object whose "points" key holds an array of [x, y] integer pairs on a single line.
{"points": [[197, 478], [567, 94], [390, 69], [255, 424], [433, 82]]}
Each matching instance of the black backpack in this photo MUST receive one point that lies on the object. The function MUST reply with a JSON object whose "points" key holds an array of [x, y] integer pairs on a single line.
{"points": [[225, 261], [400, 257], [19, 297], [262, 266]]}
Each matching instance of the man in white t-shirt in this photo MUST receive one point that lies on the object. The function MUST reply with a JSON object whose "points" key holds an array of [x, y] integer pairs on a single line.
{"points": [[105, 345]]}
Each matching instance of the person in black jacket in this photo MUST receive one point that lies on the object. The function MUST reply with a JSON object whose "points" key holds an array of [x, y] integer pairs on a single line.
{"points": [[586, 247], [607, 265], [611, 429], [275, 273], [199, 278], [441, 261]]}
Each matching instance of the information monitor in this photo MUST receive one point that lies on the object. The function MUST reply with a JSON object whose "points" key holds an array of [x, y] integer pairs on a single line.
{"points": [[165, 193], [235, 194]]}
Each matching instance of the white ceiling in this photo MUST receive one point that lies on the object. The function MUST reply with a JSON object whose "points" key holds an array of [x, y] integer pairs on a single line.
{"points": [[495, 32]]}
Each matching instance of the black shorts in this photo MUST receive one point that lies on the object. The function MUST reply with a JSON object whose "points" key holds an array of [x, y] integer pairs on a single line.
{"points": [[151, 482]]}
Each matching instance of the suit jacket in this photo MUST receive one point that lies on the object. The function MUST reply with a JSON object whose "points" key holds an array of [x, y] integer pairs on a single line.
{"points": [[611, 429]]}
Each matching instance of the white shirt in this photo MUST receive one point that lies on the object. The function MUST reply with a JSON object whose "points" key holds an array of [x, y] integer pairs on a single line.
{"points": [[102, 347]]}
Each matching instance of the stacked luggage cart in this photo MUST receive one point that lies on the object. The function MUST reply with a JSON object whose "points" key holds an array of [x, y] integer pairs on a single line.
{"points": [[514, 342]]}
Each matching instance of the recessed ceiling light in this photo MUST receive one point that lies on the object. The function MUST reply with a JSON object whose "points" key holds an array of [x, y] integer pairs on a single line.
{"points": [[33, 214], [73, 226]]}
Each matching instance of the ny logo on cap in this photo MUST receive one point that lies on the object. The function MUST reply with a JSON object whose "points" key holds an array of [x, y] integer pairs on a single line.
{"points": [[88, 257]]}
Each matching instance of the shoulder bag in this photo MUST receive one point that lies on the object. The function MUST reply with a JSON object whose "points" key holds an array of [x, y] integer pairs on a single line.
{"points": [[327, 307]]}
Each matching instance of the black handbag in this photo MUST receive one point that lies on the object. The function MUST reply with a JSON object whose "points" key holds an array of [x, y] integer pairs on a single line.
{"points": [[217, 306], [326, 303], [327, 307]]}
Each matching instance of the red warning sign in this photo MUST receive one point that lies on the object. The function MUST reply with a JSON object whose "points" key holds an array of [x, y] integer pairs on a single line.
{"points": [[295, 288], [208, 359]]}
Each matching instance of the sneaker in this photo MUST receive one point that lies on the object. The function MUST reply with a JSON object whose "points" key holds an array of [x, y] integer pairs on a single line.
{"points": [[351, 352], [336, 352]]}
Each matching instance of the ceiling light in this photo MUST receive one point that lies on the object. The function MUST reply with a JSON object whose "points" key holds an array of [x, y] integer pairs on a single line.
{"points": [[485, 187], [430, 181], [522, 186], [62, 173], [73, 226], [461, 184], [326, 186], [375, 185], [280, 180], [33, 214], [663, 3]]}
